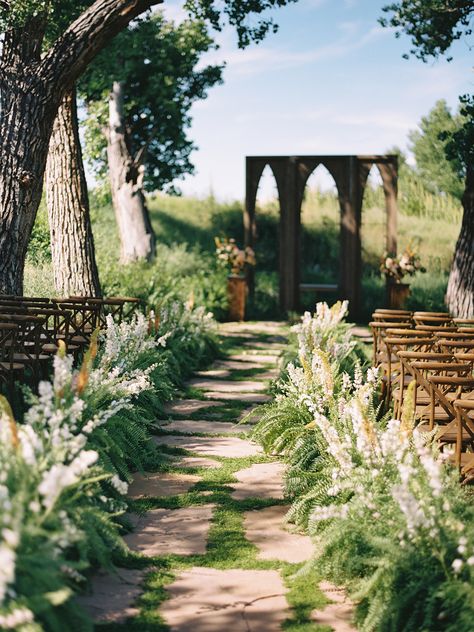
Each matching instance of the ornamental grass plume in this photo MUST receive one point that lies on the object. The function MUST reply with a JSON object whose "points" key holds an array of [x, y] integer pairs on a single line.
{"points": [[7, 413]]}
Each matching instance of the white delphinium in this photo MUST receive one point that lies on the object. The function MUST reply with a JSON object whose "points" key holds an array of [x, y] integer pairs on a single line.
{"points": [[120, 486], [15, 619], [62, 365], [60, 476], [338, 447], [124, 343]]}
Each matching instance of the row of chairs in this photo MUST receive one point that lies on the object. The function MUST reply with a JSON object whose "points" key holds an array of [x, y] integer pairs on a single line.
{"points": [[435, 353], [31, 328]]}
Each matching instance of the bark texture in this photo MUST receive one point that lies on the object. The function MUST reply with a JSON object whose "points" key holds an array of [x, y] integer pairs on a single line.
{"points": [[31, 90], [137, 239], [460, 292], [72, 243]]}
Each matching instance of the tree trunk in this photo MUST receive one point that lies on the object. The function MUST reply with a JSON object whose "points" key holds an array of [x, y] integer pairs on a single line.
{"points": [[31, 89], [72, 242], [137, 238], [25, 126], [460, 293]]}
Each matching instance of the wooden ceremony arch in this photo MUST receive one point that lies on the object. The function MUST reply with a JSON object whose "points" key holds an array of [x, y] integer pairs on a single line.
{"points": [[350, 174]]}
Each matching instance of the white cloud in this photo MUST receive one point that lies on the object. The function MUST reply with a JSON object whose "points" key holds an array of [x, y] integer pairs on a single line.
{"points": [[261, 59]]}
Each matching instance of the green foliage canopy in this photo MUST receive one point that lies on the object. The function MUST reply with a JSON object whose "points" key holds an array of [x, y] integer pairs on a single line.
{"points": [[156, 61], [428, 144], [432, 25], [58, 14]]}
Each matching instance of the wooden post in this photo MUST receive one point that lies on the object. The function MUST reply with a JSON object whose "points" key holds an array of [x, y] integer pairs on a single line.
{"points": [[389, 173], [253, 173], [289, 240], [351, 265]]}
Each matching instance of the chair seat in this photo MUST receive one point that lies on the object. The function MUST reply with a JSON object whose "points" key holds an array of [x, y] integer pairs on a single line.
{"points": [[23, 357], [14, 366], [449, 434]]}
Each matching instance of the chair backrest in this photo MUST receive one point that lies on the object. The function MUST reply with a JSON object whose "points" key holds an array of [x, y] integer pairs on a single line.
{"points": [[8, 338]]}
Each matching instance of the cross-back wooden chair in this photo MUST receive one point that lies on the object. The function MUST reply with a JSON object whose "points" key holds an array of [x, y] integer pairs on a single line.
{"points": [[379, 330], [399, 378], [56, 323], [84, 319], [130, 304], [436, 319], [112, 306], [458, 345], [28, 346], [463, 458], [9, 369], [438, 378]]}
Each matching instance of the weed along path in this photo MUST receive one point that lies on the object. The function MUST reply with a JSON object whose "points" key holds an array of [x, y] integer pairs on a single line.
{"points": [[210, 550]]}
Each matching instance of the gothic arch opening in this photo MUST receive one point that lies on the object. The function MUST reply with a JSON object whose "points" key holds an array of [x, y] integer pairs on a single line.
{"points": [[320, 238], [266, 231], [373, 230]]}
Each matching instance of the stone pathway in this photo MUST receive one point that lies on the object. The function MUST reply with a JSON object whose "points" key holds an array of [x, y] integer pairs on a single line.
{"points": [[201, 597]]}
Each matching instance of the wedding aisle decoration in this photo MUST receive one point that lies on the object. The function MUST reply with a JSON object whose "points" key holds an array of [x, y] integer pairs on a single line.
{"points": [[387, 514], [65, 469]]}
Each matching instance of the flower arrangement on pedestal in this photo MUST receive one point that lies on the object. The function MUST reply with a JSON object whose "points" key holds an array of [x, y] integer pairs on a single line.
{"points": [[235, 260], [230, 256], [395, 268]]}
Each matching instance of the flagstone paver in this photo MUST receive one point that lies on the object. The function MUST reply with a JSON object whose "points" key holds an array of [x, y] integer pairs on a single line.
{"points": [[197, 462], [231, 447], [257, 358], [215, 372], [187, 406], [161, 484], [238, 365], [189, 426], [267, 327], [272, 348], [171, 531], [337, 615], [112, 595], [211, 600], [267, 530], [261, 480], [251, 398], [227, 386]]}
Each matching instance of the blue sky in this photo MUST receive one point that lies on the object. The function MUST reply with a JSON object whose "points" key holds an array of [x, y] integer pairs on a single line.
{"points": [[332, 80]]}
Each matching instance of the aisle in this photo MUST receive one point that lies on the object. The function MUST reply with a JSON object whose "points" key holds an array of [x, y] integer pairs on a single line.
{"points": [[210, 531]]}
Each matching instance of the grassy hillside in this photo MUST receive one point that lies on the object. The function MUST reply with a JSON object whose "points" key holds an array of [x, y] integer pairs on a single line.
{"points": [[185, 264]]}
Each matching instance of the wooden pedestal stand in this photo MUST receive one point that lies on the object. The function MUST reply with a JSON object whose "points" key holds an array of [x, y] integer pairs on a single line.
{"points": [[237, 296], [397, 294]]}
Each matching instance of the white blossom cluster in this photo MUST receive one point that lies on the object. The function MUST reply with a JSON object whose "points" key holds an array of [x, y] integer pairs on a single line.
{"points": [[125, 342]]}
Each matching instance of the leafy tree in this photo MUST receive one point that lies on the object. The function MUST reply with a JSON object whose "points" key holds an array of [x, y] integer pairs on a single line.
{"points": [[160, 83], [36, 73], [437, 172], [433, 25], [139, 105]]}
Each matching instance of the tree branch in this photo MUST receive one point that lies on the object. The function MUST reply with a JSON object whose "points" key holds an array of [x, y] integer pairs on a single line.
{"points": [[85, 37]]}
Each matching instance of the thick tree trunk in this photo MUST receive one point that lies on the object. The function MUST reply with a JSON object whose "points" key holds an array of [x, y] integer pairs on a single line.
{"points": [[72, 242], [137, 238], [460, 293], [25, 126], [31, 89]]}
